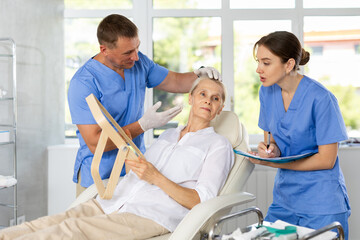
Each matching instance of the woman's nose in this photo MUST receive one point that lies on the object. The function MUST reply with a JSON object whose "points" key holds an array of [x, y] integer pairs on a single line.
{"points": [[258, 69]]}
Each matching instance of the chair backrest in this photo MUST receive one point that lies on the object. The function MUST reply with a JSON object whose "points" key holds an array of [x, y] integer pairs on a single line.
{"points": [[228, 125], [204, 215]]}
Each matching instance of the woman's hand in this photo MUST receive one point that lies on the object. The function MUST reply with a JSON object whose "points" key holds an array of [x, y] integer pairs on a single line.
{"points": [[256, 161], [263, 151], [271, 152], [144, 170]]}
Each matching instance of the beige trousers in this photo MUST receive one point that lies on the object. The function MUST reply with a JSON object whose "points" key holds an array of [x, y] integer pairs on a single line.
{"points": [[85, 221]]}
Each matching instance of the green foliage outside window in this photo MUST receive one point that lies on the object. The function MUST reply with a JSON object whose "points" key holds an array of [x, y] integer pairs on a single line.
{"points": [[177, 46], [246, 104], [348, 99]]}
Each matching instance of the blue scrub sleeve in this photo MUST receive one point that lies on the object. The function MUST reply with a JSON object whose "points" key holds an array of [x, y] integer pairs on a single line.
{"points": [[330, 126], [156, 73], [79, 109], [262, 116]]}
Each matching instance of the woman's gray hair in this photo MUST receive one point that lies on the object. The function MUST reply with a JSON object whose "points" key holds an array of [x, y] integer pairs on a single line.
{"points": [[197, 81]]}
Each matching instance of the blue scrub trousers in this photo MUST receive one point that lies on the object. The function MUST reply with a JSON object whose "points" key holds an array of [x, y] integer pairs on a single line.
{"points": [[276, 212]]}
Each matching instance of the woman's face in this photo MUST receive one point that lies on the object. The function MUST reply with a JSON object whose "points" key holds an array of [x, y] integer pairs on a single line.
{"points": [[270, 68], [206, 100]]}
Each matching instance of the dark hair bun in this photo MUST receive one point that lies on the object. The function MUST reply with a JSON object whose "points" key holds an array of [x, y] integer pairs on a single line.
{"points": [[305, 57]]}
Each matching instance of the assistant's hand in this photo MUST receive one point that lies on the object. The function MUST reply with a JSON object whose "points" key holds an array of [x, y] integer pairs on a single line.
{"points": [[153, 119], [256, 161], [271, 152], [210, 71], [144, 170]]}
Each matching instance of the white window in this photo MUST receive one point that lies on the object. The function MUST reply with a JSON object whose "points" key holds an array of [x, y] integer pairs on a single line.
{"points": [[246, 80], [184, 35], [183, 44]]}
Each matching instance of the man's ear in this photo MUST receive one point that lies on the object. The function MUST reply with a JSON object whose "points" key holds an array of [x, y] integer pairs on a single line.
{"points": [[290, 65], [103, 49]]}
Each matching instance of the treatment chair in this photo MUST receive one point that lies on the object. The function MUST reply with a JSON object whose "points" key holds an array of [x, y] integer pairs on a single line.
{"points": [[201, 217]]}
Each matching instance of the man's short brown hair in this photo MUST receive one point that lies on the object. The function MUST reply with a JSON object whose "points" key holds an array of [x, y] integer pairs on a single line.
{"points": [[114, 26]]}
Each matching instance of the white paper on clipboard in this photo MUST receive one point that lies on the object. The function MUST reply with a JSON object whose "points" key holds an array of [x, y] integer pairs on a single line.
{"points": [[276, 159]]}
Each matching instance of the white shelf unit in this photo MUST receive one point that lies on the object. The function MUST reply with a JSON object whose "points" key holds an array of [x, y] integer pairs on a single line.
{"points": [[8, 121]]}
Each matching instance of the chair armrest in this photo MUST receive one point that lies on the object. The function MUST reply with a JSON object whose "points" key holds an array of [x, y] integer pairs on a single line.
{"points": [[87, 194], [204, 215]]}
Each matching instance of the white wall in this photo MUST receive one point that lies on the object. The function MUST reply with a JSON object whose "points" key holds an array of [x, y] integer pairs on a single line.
{"points": [[61, 188], [350, 165], [37, 28]]}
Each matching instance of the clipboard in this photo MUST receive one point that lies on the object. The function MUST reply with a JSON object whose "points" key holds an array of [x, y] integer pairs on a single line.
{"points": [[277, 159]]}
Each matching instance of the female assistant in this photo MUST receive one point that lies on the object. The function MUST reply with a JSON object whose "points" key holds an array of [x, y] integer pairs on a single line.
{"points": [[302, 116]]}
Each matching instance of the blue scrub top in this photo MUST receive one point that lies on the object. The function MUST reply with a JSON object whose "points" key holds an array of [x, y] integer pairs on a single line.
{"points": [[124, 100], [312, 119]]}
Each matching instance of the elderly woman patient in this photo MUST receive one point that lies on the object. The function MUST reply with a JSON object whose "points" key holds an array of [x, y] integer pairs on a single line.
{"points": [[184, 167]]}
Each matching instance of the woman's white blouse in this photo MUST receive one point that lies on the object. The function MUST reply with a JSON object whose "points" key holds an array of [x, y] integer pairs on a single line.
{"points": [[200, 160]]}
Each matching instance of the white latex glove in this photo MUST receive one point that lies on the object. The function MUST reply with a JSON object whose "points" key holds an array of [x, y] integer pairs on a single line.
{"points": [[210, 71], [153, 119]]}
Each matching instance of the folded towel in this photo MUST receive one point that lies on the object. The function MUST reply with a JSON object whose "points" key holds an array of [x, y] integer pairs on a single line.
{"points": [[7, 181], [301, 231], [304, 230]]}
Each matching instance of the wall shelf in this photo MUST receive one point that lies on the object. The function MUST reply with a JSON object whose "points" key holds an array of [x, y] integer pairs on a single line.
{"points": [[6, 143], [8, 53], [6, 99]]}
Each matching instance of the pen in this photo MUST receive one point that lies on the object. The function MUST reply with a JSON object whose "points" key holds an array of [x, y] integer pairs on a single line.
{"points": [[268, 140]]}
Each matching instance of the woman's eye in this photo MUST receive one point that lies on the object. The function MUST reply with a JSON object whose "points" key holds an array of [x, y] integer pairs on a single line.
{"points": [[216, 98], [266, 64], [202, 94]]}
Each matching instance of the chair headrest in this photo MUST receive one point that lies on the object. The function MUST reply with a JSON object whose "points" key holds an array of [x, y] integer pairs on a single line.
{"points": [[227, 124]]}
